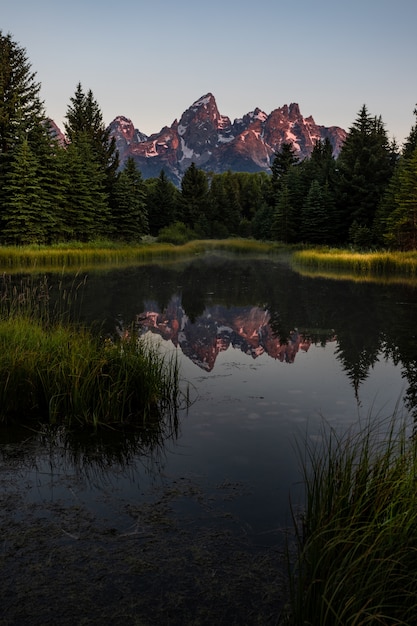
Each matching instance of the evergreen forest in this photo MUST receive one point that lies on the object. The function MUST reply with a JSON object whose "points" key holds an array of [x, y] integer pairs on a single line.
{"points": [[52, 192]]}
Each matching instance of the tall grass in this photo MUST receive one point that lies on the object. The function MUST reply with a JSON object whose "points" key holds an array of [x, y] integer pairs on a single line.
{"points": [[57, 257], [356, 542], [374, 263], [53, 369]]}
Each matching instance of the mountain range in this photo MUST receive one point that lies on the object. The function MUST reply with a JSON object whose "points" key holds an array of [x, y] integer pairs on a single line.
{"points": [[215, 144]]}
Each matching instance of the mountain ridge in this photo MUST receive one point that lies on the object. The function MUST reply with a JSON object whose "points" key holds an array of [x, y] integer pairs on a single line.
{"points": [[216, 144]]}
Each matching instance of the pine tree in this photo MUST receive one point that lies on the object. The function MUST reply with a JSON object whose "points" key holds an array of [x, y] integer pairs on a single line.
{"points": [[386, 229], [252, 189], [86, 211], [320, 166], [51, 175], [161, 202], [225, 196], [55, 184], [401, 224], [365, 167], [85, 123], [283, 226], [21, 110], [24, 219], [91, 146], [20, 106], [130, 219], [194, 199], [262, 222], [284, 159], [411, 142], [317, 215], [218, 205]]}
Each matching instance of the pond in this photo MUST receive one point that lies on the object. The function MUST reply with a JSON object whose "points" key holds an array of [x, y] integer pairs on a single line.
{"points": [[267, 355]]}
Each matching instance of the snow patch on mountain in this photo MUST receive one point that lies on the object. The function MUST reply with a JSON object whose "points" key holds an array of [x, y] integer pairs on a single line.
{"points": [[188, 153]]}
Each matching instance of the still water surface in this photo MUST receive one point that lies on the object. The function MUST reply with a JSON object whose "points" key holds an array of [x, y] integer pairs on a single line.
{"points": [[266, 353]]}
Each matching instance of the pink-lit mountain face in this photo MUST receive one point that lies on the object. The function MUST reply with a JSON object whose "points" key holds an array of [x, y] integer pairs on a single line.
{"points": [[215, 144]]}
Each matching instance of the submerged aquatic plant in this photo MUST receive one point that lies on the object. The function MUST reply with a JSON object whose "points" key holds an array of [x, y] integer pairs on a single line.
{"points": [[356, 540]]}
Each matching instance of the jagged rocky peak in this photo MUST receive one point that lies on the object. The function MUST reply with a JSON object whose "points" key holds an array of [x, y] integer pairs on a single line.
{"points": [[201, 124], [206, 137], [126, 136], [205, 108], [124, 126], [294, 111]]}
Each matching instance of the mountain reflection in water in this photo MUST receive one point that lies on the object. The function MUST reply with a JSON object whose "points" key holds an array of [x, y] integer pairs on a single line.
{"points": [[248, 329]]}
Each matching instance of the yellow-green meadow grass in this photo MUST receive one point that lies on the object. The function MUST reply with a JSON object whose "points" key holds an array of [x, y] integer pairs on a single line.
{"points": [[383, 263], [78, 255]]}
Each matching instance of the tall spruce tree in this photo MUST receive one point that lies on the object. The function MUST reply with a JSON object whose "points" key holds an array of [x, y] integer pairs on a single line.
{"points": [[283, 227], [401, 223], [85, 123], [317, 215], [24, 218], [194, 202], [21, 113], [411, 142], [130, 217], [365, 167], [283, 161], [226, 196], [86, 211], [21, 109], [320, 165], [395, 220], [161, 202], [92, 144]]}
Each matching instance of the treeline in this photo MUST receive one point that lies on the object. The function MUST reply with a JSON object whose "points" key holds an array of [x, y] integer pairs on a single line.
{"points": [[51, 192]]}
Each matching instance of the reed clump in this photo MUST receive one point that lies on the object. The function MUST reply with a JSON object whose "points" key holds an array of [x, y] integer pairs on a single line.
{"points": [[57, 370], [359, 263], [356, 541]]}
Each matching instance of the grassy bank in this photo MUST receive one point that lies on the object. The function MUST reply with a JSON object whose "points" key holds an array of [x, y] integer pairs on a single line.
{"points": [[55, 370], [358, 263], [76, 255], [102, 253], [356, 542]]}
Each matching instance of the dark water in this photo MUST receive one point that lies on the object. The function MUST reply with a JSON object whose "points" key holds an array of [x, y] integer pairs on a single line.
{"points": [[266, 353]]}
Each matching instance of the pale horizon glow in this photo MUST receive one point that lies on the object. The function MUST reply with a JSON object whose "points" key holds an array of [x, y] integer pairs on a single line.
{"points": [[149, 61]]}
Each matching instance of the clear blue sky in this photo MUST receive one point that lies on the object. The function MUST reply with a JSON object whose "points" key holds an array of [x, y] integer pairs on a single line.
{"points": [[150, 60]]}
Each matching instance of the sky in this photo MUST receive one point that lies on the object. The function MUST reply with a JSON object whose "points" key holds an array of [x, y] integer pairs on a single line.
{"points": [[150, 60]]}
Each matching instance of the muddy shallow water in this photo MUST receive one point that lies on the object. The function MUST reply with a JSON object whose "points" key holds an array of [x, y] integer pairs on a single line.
{"points": [[154, 561]]}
